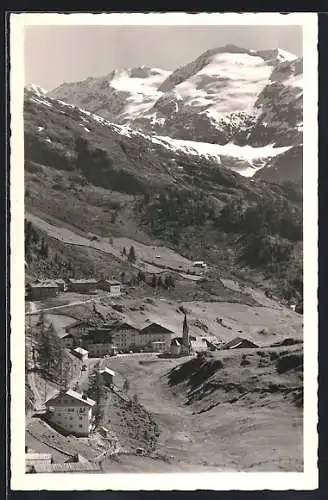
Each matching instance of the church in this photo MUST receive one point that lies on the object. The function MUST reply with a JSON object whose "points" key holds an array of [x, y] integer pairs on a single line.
{"points": [[181, 346]]}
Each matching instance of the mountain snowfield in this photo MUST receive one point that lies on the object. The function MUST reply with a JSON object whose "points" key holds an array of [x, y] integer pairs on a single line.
{"points": [[201, 100], [246, 160], [239, 108]]}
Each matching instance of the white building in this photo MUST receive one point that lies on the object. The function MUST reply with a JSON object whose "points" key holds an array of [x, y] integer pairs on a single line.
{"points": [[81, 353], [72, 412], [200, 263]]}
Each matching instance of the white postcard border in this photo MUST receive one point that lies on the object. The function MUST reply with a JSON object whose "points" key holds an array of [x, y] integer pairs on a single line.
{"points": [[306, 480]]}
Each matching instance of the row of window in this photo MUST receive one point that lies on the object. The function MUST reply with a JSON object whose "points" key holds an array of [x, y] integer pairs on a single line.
{"points": [[59, 415]]}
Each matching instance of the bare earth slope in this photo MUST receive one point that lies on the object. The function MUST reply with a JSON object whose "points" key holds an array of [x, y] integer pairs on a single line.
{"points": [[233, 418]]}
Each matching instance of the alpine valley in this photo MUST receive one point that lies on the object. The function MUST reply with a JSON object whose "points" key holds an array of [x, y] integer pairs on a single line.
{"points": [[206, 159], [164, 268]]}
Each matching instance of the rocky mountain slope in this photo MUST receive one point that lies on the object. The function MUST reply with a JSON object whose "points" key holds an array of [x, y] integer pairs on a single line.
{"points": [[227, 95], [114, 180], [169, 157]]}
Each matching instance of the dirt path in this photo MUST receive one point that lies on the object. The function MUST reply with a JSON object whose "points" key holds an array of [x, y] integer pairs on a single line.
{"points": [[67, 236], [69, 304]]}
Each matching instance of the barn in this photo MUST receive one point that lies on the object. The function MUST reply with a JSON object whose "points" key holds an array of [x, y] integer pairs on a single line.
{"points": [[240, 343]]}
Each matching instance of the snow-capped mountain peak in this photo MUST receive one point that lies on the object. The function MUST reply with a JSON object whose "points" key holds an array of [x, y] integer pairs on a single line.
{"points": [[227, 95], [36, 89]]}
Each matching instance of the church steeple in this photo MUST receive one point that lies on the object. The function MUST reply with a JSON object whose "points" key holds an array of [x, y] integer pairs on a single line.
{"points": [[185, 333]]}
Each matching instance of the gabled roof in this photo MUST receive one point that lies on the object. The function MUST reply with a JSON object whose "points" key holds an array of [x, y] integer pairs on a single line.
{"points": [[238, 341], [90, 281], [43, 284], [80, 350], [111, 282], [107, 370], [56, 400], [161, 328], [127, 323], [68, 336], [78, 323]]}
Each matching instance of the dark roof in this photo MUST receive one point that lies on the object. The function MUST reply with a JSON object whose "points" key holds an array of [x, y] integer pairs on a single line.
{"points": [[68, 336], [127, 324], [159, 328], [239, 342], [90, 281], [78, 323], [111, 282]]}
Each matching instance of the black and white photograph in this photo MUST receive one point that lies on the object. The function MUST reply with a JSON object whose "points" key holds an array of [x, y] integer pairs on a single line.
{"points": [[164, 251]]}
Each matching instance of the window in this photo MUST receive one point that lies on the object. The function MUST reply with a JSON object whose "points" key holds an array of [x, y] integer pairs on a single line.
{"points": [[81, 418], [80, 426]]}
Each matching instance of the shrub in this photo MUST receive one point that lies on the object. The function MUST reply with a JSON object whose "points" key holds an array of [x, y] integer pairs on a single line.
{"points": [[289, 362]]}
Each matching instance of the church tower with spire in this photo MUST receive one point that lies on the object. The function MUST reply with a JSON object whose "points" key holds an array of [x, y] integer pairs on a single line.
{"points": [[185, 336]]}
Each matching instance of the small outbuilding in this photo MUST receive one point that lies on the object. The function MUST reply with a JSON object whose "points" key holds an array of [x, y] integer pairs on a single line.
{"points": [[107, 376], [81, 353], [240, 343], [175, 347]]}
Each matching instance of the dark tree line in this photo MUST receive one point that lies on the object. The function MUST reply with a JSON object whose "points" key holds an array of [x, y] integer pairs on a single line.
{"points": [[51, 357]]}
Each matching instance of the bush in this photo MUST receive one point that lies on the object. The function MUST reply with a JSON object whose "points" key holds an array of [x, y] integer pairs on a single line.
{"points": [[289, 362]]}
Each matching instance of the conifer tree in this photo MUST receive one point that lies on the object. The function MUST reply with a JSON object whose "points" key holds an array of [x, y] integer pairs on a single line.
{"points": [[132, 255]]}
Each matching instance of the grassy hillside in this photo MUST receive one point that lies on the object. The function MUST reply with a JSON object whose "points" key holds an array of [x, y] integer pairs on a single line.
{"points": [[112, 185]]}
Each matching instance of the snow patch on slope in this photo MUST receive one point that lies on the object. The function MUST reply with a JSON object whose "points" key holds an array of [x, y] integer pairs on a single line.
{"points": [[141, 85], [246, 160]]}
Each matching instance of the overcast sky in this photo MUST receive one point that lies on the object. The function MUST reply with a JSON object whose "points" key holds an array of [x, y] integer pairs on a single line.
{"points": [[57, 54]]}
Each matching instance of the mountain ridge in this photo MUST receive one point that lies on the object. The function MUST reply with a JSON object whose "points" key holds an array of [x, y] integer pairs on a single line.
{"points": [[227, 94]]}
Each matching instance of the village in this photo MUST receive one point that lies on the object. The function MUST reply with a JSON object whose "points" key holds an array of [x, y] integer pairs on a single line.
{"points": [[77, 408]]}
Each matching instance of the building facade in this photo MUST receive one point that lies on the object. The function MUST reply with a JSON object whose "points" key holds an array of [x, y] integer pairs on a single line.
{"points": [[111, 286], [98, 342], [126, 336], [42, 290], [78, 328], [72, 412], [107, 376], [82, 286], [68, 340], [155, 332]]}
